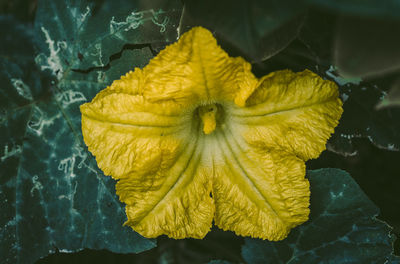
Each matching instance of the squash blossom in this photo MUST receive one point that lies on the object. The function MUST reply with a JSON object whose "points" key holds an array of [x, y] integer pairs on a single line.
{"points": [[194, 137]]}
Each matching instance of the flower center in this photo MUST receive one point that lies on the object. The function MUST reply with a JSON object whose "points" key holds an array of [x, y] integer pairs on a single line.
{"points": [[208, 114]]}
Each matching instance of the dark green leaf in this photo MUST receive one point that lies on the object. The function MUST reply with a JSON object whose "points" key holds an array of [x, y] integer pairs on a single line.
{"points": [[20, 87], [218, 261], [79, 34], [317, 34], [217, 244], [53, 196], [392, 98], [366, 47], [24, 10], [361, 119], [372, 8], [342, 228], [256, 30]]}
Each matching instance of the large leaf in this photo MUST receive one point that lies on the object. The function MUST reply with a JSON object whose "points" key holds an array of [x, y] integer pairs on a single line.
{"points": [[343, 228], [366, 47], [361, 119], [256, 30], [392, 98], [53, 195], [79, 34], [24, 10], [317, 36], [20, 84], [373, 8]]}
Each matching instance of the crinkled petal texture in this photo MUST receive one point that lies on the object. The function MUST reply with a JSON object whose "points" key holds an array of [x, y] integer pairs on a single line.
{"points": [[247, 173]]}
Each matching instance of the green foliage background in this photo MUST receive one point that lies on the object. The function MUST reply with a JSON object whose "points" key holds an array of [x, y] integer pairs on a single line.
{"points": [[55, 55]]}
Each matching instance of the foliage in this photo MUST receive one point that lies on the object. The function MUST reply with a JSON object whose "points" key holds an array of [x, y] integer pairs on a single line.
{"points": [[343, 228], [54, 198]]}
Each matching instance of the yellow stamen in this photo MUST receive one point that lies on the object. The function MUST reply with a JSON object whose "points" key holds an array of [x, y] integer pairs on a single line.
{"points": [[208, 114]]}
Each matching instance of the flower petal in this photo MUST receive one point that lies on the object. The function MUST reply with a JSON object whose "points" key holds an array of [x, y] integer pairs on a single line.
{"points": [[179, 207], [258, 193], [261, 191], [291, 112], [196, 70], [119, 127], [153, 150]]}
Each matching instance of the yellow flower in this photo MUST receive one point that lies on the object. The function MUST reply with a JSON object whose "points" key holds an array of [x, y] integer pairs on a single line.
{"points": [[195, 137]]}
